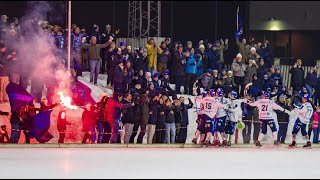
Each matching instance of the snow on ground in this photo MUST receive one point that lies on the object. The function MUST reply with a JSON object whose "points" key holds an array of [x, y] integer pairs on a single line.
{"points": [[149, 163], [74, 116]]}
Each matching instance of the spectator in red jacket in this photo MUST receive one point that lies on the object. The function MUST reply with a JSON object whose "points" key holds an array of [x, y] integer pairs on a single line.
{"points": [[88, 123], [113, 106]]}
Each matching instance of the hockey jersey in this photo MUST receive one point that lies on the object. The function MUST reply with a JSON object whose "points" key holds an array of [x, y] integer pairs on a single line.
{"points": [[222, 112], [266, 107], [305, 112], [209, 106], [234, 110]]}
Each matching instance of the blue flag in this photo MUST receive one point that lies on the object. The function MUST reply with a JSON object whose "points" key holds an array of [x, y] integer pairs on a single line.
{"points": [[18, 96], [41, 125], [240, 27]]}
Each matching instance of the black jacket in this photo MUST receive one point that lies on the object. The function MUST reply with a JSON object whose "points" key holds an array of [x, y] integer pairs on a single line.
{"points": [[169, 117], [118, 75], [297, 77], [128, 114], [178, 63], [153, 107]]}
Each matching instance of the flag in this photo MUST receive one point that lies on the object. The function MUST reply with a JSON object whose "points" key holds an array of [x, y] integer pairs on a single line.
{"points": [[239, 24], [41, 125], [18, 96]]}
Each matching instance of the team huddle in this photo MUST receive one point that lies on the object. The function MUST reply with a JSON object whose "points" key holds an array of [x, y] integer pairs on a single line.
{"points": [[219, 115]]}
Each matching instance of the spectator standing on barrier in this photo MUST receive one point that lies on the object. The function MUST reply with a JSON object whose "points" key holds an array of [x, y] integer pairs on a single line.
{"points": [[94, 57], [191, 71], [238, 68], [179, 62], [76, 39], [297, 76]]}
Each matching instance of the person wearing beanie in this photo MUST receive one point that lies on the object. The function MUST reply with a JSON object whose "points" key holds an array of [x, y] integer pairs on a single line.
{"points": [[128, 76], [141, 61], [164, 87], [191, 71], [156, 81], [253, 54], [238, 68], [219, 47], [205, 81]]}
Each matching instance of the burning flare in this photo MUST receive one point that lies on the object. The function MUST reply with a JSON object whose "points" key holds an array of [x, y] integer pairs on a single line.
{"points": [[66, 101]]}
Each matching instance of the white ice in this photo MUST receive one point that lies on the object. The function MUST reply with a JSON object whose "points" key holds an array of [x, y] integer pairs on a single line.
{"points": [[237, 163]]}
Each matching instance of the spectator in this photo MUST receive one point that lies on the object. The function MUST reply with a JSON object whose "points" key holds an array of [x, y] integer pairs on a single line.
{"points": [[250, 71], [315, 126], [213, 58], [130, 56], [111, 64], [100, 119], [152, 50], [199, 65], [316, 95], [62, 124], [311, 80], [179, 63], [156, 81], [106, 35], [4, 25], [128, 76], [160, 125], [165, 88], [123, 48], [143, 122], [15, 126], [88, 124], [205, 81], [60, 45], [4, 76], [244, 48], [229, 82], [163, 58], [204, 57], [189, 46], [261, 70], [169, 123], [253, 55], [297, 76], [153, 118], [128, 118], [238, 68], [277, 76], [177, 109], [97, 34], [141, 61], [113, 117], [76, 38], [94, 57], [119, 80], [283, 119], [185, 120], [191, 71], [220, 47]]}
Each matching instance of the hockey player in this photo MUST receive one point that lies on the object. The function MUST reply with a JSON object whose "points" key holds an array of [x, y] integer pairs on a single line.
{"points": [[266, 106], [234, 114], [208, 109], [304, 116], [200, 129], [220, 121]]}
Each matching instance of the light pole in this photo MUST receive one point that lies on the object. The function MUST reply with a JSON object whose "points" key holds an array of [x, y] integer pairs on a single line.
{"points": [[69, 35]]}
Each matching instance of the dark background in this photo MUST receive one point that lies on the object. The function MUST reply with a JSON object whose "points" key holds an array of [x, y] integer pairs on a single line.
{"points": [[191, 20]]}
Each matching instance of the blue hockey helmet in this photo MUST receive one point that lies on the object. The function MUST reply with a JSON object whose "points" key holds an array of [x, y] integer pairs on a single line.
{"points": [[306, 96], [219, 92], [234, 94], [204, 93], [265, 94], [212, 92]]}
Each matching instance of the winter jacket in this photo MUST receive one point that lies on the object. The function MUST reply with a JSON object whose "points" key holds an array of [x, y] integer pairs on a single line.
{"points": [[213, 58], [200, 68], [297, 77], [15, 119], [238, 69], [154, 109], [129, 76], [261, 71], [311, 79], [282, 116], [315, 122], [219, 51], [152, 55], [144, 111], [94, 50], [128, 114], [244, 49], [162, 58], [206, 80], [179, 61], [191, 65], [185, 116], [118, 75], [110, 109], [165, 84], [140, 62], [88, 120], [169, 117], [249, 73], [277, 77], [161, 117], [177, 114]]}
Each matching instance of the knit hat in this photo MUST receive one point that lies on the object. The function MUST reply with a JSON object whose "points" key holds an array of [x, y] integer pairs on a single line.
{"points": [[253, 49], [156, 75], [210, 71], [148, 74], [239, 55], [201, 46], [166, 72], [122, 44]]}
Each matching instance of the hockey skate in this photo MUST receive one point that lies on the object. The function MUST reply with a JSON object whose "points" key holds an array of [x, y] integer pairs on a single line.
{"points": [[216, 143], [224, 143], [293, 144], [276, 143], [308, 145], [229, 144], [194, 141], [206, 143], [258, 144]]}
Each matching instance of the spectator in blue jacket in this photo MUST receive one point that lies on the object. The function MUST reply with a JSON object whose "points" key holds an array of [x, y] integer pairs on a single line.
{"points": [[213, 58], [200, 68], [156, 81], [191, 71]]}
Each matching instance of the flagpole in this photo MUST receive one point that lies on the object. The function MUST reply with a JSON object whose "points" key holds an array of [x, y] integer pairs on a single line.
{"points": [[237, 17], [69, 35]]}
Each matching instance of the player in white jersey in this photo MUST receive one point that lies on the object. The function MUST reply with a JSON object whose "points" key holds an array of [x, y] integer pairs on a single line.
{"points": [[220, 121], [266, 106], [234, 115], [304, 115], [201, 124]]}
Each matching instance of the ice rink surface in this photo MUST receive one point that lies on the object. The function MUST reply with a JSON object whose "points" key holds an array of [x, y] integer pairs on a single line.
{"points": [[265, 162]]}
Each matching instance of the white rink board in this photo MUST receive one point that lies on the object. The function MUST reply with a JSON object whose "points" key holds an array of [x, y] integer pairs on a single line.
{"points": [[197, 163]]}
